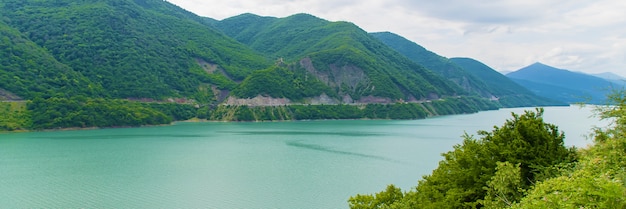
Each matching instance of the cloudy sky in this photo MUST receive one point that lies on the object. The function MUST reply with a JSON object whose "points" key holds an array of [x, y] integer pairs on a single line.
{"points": [[579, 35]]}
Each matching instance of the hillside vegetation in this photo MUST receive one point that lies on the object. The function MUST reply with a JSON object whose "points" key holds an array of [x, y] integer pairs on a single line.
{"points": [[508, 92], [438, 64], [129, 49], [28, 70], [113, 63], [523, 164], [470, 74], [341, 55]]}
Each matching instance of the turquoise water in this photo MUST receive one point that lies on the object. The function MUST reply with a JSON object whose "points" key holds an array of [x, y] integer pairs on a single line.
{"points": [[303, 164]]}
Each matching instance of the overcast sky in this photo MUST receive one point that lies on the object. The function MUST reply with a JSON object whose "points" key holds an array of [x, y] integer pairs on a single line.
{"points": [[578, 35]]}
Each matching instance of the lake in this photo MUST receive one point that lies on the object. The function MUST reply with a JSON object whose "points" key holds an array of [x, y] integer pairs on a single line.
{"points": [[300, 164]]}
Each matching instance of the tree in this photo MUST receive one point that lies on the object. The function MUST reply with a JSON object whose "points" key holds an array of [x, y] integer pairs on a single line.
{"points": [[384, 199], [597, 180], [481, 168], [505, 187]]}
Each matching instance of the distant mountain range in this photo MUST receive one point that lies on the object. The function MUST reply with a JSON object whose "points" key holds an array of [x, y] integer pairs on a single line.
{"points": [[468, 73], [563, 85], [153, 51]]}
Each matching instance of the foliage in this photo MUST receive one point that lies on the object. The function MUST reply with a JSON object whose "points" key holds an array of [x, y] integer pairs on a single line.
{"points": [[438, 64], [129, 49], [282, 82], [508, 92], [14, 116], [28, 70], [615, 110], [383, 199], [471, 75], [338, 45], [597, 180], [505, 187], [85, 112], [469, 176], [342, 111]]}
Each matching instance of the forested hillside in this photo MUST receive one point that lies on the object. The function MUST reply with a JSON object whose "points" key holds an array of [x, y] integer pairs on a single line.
{"points": [[113, 63], [509, 93], [470, 74], [28, 70], [132, 49], [339, 54], [434, 62]]}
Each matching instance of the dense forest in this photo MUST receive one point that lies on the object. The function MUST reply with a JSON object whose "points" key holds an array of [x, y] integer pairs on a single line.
{"points": [[83, 112], [114, 63], [523, 164], [438, 64], [339, 45], [117, 49]]}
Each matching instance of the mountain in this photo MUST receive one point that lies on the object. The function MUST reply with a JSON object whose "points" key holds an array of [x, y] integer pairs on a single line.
{"points": [[112, 63], [126, 49], [609, 76], [356, 66], [562, 85], [509, 93], [434, 62], [619, 81], [472, 75], [28, 70]]}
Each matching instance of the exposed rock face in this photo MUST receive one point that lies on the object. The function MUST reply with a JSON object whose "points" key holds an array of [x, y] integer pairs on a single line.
{"points": [[208, 67], [349, 79], [323, 99], [373, 99], [257, 101], [8, 96]]}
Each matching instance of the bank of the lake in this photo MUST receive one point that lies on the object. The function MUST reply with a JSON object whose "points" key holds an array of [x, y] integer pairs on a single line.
{"points": [[296, 164], [82, 112]]}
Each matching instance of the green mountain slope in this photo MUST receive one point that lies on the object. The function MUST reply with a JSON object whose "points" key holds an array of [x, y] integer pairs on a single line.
{"points": [[135, 49], [509, 93], [112, 63], [341, 55], [434, 62], [30, 71], [472, 75]]}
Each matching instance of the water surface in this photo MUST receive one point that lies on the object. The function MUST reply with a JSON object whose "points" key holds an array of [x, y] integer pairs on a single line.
{"points": [[302, 164]]}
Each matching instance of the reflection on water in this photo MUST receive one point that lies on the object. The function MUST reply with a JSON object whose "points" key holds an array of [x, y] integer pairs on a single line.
{"points": [[330, 150]]}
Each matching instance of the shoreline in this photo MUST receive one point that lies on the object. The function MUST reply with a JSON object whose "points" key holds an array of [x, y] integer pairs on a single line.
{"points": [[198, 120]]}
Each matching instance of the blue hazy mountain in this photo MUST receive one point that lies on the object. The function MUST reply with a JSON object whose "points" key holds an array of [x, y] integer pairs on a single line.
{"points": [[561, 84], [470, 74], [507, 91]]}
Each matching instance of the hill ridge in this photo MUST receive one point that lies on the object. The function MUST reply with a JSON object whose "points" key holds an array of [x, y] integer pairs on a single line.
{"points": [[562, 84]]}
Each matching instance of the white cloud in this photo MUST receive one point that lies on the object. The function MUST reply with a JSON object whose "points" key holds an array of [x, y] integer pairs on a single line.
{"points": [[580, 35]]}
